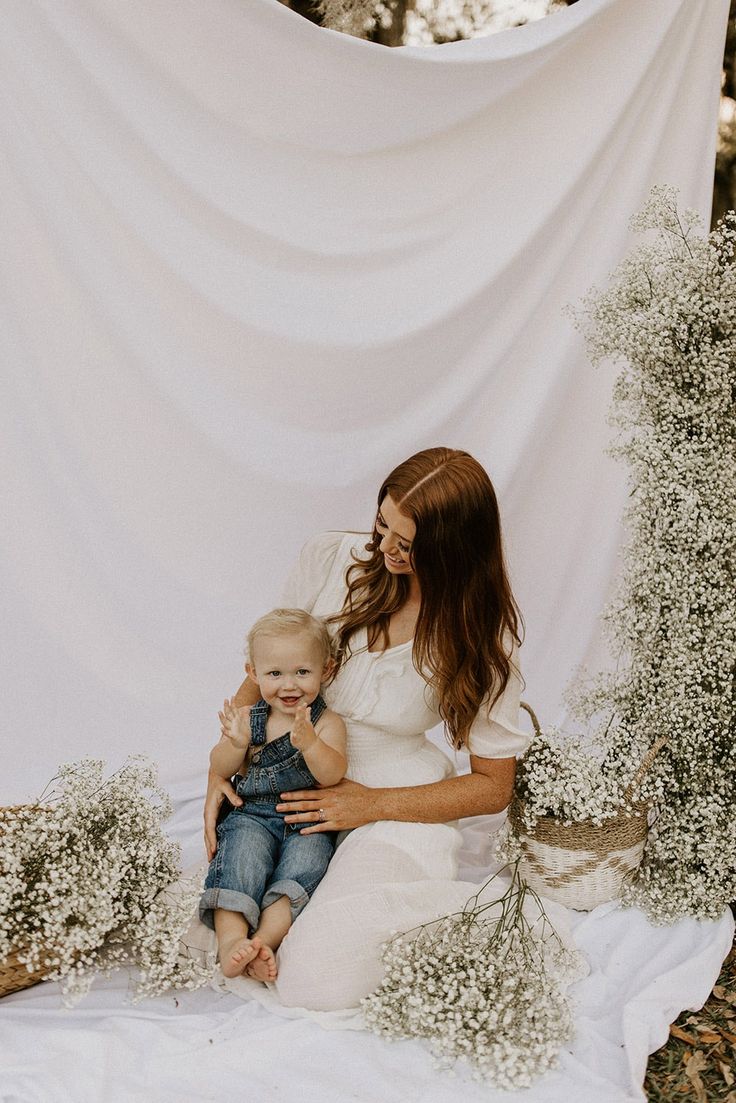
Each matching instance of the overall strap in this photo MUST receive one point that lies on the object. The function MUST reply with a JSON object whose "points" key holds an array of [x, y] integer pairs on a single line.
{"points": [[258, 717], [316, 709]]}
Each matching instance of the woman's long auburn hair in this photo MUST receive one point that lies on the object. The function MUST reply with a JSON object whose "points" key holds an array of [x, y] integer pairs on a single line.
{"points": [[467, 614]]}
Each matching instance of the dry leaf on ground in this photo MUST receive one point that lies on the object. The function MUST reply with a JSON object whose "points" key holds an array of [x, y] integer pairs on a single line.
{"points": [[693, 1068], [708, 1036], [677, 1032]]}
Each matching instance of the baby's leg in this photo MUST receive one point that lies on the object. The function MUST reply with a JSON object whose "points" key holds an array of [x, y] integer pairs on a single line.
{"points": [[274, 923], [235, 948], [302, 865], [246, 854]]}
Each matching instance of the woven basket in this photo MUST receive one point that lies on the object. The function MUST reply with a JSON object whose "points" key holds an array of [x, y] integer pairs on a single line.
{"points": [[14, 976], [582, 864]]}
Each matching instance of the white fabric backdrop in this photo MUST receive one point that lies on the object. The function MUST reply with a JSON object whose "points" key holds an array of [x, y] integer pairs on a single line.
{"points": [[247, 265]]}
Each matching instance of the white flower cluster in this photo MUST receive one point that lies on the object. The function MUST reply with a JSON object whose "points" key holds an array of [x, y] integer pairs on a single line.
{"points": [[486, 985], [573, 779], [669, 317], [82, 880]]}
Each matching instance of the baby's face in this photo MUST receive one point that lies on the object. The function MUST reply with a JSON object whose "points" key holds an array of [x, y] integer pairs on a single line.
{"points": [[288, 670]]}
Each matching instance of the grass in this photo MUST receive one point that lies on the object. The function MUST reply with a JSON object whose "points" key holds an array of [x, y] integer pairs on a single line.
{"points": [[698, 1062]]}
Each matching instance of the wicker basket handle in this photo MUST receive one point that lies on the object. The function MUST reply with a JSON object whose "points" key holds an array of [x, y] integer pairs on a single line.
{"points": [[528, 708], [646, 762]]}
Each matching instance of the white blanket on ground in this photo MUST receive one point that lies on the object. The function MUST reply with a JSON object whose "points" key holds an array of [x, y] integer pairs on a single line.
{"points": [[208, 1045]]}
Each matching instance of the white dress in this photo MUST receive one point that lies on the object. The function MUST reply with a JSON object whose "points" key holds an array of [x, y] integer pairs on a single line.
{"points": [[387, 876]]}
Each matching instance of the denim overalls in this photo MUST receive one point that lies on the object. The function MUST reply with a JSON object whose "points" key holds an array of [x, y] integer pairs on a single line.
{"points": [[260, 857]]}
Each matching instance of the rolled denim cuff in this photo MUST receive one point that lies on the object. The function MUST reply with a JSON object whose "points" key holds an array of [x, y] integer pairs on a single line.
{"points": [[230, 901], [298, 898]]}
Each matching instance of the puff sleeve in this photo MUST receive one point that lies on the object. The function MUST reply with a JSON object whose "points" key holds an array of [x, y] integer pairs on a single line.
{"points": [[312, 571], [495, 732]]}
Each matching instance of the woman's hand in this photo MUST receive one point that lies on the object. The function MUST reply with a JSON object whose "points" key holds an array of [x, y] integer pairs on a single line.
{"points": [[334, 808], [217, 789]]}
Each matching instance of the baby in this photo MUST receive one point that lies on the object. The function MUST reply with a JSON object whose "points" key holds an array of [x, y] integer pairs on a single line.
{"points": [[264, 871]]}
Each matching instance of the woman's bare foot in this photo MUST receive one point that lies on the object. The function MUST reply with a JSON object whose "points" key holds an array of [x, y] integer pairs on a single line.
{"points": [[263, 965], [236, 954]]}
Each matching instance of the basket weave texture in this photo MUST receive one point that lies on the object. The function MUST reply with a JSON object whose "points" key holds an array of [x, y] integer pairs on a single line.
{"points": [[582, 864], [14, 976]]}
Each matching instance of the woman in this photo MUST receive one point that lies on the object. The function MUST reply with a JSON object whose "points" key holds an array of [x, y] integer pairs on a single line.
{"points": [[427, 630]]}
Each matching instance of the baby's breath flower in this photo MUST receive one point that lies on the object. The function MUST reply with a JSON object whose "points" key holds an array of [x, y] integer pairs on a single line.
{"points": [[668, 317], [486, 985], [83, 879], [574, 778]]}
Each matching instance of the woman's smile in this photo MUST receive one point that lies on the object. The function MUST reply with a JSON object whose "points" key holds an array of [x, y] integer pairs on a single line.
{"points": [[396, 531]]}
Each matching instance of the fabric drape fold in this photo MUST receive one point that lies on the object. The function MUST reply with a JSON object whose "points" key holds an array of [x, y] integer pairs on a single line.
{"points": [[248, 265]]}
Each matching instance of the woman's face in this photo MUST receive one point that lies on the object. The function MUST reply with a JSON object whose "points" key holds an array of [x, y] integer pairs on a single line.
{"points": [[397, 532]]}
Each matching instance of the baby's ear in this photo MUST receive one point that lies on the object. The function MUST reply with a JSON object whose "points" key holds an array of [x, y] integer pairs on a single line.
{"points": [[328, 670], [250, 671]]}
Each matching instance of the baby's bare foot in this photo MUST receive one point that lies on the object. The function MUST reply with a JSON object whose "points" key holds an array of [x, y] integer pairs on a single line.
{"points": [[236, 954], [263, 965]]}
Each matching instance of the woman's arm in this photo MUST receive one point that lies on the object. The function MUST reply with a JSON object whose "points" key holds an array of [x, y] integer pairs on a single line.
{"points": [[248, 694], [487, 789]]}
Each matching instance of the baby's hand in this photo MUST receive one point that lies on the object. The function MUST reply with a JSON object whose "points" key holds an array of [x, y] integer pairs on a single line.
{"points": [[302, 732], [235, 723]]}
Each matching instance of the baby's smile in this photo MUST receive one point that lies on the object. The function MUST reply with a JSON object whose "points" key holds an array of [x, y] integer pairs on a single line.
{"points": [[290, 701]]}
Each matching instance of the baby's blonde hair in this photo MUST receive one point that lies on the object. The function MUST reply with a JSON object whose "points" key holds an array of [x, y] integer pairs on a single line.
{"points": [[285, 622]]}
